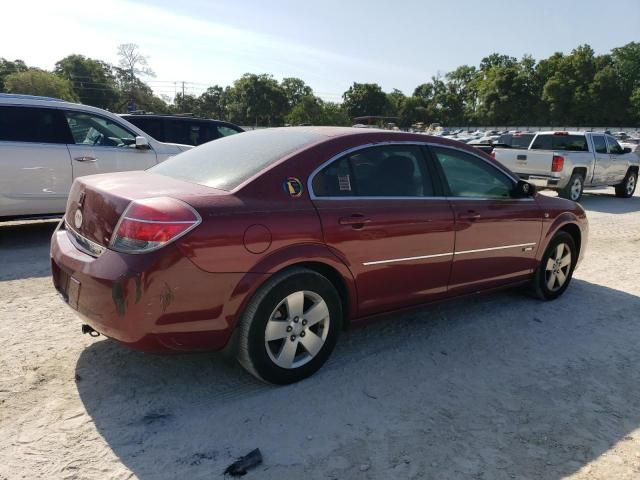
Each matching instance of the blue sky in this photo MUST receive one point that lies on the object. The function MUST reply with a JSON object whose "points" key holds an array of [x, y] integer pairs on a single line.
{"points": [[329, 44]]}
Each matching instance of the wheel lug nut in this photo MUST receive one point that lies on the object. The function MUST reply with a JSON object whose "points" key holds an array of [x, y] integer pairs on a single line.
{"points": [[304, 322], [295, 320], [293, 337], [289, 328], [302, 334]]}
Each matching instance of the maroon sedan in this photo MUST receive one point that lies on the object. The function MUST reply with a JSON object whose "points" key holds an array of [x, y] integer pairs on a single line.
{"points": [[270, 242]]}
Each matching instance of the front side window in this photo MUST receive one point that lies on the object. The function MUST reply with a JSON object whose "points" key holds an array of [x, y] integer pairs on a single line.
{"points": [[387, 171], [93, 130], [470, 176], [32, 124], [599, 144], [614, 146]]}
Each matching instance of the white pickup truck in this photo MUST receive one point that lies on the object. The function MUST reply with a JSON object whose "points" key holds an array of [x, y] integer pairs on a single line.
{"points": [[570, 161]]}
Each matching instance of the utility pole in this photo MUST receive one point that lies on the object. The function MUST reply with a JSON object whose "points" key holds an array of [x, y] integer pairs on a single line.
{"points": [[183, 89]]}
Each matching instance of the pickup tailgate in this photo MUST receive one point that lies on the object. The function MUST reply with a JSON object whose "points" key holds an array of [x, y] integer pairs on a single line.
{"points": [[530, 162]]}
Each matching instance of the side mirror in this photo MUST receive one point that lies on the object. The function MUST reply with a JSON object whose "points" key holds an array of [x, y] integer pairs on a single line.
{"points": [[524, 189], [142, 143], [626, 150]]}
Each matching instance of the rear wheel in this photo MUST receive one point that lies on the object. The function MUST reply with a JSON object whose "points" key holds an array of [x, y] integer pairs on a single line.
{"points": [[290, 327], [556, 268], [628, 186], [573, 190]]}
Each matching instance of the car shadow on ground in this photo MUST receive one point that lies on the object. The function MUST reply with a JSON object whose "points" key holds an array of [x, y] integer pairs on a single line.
{"points": [[496, 386], [24, 249], [606, 202]]}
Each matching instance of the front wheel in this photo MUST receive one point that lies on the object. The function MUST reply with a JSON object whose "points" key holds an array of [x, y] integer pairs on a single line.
{"points": [[290, 327], [573, 190], [628, 186], [555, 271]]}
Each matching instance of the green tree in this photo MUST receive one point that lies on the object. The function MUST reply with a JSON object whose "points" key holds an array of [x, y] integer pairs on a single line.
{"points": [[92, 81], [364, 99], [213, 103], [257, 100], [39, 82], [295, 89], [8, 67]]}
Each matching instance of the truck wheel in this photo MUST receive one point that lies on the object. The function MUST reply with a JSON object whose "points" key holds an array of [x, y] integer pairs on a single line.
{"points": [[573, 190], [628, 186], [290, 327]]}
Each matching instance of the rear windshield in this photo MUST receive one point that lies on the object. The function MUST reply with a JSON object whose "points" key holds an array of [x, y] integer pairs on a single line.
{"points": [[574, 143], [230, 161], [518, 140]]}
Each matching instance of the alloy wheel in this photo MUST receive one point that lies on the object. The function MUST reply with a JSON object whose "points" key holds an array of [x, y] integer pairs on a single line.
{"points": [[631, 184], [557, 267], [576, 189], [297, 329]]}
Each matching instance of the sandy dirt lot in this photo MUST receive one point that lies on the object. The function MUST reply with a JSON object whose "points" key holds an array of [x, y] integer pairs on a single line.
{"points": [[489, 387]]}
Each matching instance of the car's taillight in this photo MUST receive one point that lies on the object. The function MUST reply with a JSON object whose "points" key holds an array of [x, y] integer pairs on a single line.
{"points": [[152, 223], [492, 154], [557, 163]]}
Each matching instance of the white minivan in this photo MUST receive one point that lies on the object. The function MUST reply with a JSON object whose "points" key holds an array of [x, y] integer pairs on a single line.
{"points": [[45, 143]]}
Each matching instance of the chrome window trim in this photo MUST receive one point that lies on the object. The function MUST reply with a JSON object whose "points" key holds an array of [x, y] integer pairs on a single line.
{"points": [[313, 196], [454, 253]]}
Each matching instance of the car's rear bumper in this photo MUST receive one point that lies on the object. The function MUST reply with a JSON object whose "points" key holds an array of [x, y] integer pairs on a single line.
{"points": [[157, 302], [542, 181]]}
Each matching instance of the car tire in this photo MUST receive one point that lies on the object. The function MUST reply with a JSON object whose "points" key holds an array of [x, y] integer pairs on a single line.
{"points": [[276, 342], [573, 190], [554, 273], [628, 186]]}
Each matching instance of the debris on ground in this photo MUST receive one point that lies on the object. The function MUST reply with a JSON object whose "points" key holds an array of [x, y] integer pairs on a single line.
{"points": [[240, 466]]}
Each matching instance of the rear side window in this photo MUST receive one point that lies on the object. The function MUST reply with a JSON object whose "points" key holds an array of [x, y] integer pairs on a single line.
{"points": [[573, 143], [34, 125], [230, 161], [599, 144], [150, 126], [389, 171]]}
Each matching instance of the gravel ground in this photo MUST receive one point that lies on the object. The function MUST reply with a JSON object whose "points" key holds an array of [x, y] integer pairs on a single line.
{"points": [[490, 387]]}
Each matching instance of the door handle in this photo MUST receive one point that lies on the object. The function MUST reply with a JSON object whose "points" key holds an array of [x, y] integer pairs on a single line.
{"points": [[85, 159], [357, 221]]}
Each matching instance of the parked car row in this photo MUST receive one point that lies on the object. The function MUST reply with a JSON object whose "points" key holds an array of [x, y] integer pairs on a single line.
{"points": [[46, 143]]}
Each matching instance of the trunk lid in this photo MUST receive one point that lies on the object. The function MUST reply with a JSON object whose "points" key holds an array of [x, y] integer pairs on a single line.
{"points": [[96, 202]]}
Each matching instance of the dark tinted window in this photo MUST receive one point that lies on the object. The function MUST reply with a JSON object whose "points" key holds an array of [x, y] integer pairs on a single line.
{"points": [[150, 126], [599, 144], [389, 171], [229, 161], [224, 131], [189, 132], [470, 176], [574, 143], [516, 140], [36, 125], [614, 146]]}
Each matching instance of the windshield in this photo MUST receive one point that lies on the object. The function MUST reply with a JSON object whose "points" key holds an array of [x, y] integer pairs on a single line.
{"points": [[230, 161]]}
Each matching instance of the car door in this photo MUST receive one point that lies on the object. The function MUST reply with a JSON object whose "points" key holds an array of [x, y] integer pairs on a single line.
{"points": [[102, 145], [35, 167], [602, 165], [380, 215], [496, 235], [619, 161]]}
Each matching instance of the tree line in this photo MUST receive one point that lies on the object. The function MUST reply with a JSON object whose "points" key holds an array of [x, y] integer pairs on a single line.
{"points": [[580, 88]]}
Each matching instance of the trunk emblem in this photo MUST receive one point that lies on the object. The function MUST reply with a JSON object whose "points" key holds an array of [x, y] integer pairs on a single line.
{"points": [[77, 219]]}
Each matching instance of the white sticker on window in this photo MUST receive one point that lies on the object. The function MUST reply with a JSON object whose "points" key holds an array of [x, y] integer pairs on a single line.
{"points": [[344, 183]]}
